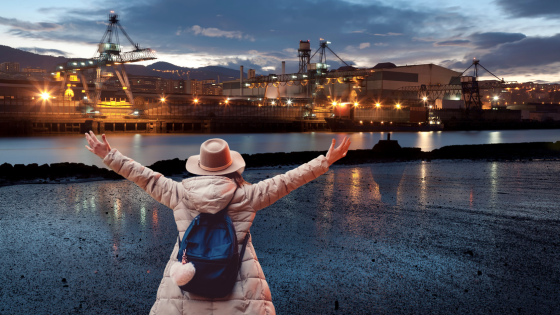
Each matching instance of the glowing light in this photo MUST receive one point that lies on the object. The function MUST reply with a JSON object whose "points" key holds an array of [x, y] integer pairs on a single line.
{"points": [[162, 99], [272, 103], [424, 98], [334, 103], [356, 104], [196, 100], [377, 104], [496, 98], [289, 102], [398, 105], [226, 101], [45, 96]]}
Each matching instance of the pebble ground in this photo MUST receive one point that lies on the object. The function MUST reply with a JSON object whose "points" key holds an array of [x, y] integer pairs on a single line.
{"points": [[441, 237]]}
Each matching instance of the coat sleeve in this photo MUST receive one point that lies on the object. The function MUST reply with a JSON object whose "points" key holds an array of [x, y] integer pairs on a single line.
{"points": [[162, 189], [268, 191]]}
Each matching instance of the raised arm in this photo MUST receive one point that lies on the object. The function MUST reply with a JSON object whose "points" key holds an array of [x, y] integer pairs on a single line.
{"points": [[268, 191], [162, 189]]}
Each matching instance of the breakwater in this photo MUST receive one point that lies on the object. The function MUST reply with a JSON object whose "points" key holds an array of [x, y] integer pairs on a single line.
{"points": [[384, 151]]}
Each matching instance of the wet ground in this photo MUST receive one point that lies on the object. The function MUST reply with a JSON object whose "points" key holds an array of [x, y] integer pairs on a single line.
{"points": [[436, 237]]}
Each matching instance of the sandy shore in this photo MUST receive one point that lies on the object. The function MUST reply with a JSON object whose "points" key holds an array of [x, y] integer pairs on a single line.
{"points": [[395, 238]]}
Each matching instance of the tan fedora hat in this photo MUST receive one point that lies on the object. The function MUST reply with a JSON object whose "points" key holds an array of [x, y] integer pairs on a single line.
{"points": [[215, 159]]}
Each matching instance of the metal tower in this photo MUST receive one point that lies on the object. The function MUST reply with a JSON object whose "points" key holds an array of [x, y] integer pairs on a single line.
{"points": [[470, 87], [109, 53], [304, 55], [323, 46]]}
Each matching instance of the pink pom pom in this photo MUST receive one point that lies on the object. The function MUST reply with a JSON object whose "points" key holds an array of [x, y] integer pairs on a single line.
{"points": [[182, 274]]}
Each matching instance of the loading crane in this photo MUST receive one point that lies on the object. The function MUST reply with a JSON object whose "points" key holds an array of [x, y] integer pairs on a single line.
{"points": [[109, 54], [469, 88], [310, 72]]}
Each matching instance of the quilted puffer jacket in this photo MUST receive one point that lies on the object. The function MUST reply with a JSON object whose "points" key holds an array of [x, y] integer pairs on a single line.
{"points": [[210, 194]]}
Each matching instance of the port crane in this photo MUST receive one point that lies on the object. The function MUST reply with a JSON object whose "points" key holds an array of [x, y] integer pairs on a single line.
{"points": [[469, 88], [310, 72], [109, 54]]}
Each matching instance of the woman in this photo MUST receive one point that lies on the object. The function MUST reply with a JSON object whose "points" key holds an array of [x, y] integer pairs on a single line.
{"points": [[222, 186]]}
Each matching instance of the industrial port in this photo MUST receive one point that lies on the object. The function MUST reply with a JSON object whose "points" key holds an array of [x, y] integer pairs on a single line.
{"points": [[97, 94]]}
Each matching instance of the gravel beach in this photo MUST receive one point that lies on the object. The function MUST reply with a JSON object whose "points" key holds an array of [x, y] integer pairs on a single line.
{"points": [[416, 237]]}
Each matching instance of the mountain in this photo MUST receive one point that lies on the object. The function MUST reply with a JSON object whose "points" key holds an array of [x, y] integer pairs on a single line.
{"points": [[161, 69], [28, 59]]}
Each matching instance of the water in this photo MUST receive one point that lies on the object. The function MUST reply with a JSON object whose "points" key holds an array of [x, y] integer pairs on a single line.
{"points": [[148, 149]]}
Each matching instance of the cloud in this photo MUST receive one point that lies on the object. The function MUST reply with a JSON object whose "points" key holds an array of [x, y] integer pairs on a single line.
{"points": [[364, 45], [533, 8], [389, 34], [380, 44], [492, 39], [214, 32], [515, 57], [455, 42], [45, 51], [358, 32], [28, 26]]}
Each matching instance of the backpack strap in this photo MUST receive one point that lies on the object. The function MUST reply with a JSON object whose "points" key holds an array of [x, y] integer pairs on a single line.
{"points": [[242, 253]]}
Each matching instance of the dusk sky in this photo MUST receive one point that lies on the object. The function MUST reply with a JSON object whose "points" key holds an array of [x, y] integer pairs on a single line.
{"points": [[517, 40]]}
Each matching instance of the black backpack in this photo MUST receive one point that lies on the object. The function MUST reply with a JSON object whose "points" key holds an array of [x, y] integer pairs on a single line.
{"points": [[210, 244]]}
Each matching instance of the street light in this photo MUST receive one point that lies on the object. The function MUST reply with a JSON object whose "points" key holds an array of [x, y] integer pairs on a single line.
{"points": [[162, 99], [45, 95], [196, 100], [424, 98], [355, 103], [398, 105], [377, 104]]}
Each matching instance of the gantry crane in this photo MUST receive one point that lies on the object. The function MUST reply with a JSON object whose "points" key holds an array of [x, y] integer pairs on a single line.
{"points": [[109, 54]]}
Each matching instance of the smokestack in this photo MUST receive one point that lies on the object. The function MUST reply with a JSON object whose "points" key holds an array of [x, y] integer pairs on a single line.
{"points": [[283, 67], [241, 79]]}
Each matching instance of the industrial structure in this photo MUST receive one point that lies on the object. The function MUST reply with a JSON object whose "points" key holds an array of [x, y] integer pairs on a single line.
{"points": [[109, 54], [383, 97]]}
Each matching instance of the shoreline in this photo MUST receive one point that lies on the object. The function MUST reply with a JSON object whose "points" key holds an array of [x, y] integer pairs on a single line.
{"points": [[383, 152]]}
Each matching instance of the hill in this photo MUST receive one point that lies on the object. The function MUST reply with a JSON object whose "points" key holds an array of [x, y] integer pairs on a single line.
{"points": [[161, 69]]}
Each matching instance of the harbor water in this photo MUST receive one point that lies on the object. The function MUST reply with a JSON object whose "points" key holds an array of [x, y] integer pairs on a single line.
{"points": [[149, 148]]}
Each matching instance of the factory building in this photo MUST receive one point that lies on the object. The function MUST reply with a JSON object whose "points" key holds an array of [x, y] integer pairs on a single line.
{"points": [[379, 85]]}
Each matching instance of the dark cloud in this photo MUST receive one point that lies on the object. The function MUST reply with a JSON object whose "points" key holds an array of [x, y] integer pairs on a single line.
{"points": [[28, 26], [492, 39], [456, 42], [162, 25], [43, 51], [531, 8], [536, 52]]}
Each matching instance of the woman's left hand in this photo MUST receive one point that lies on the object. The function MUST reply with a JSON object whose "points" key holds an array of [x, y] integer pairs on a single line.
{"points": [[96, 147]]}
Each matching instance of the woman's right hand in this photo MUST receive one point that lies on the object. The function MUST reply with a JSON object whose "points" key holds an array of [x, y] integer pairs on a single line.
{"points": [[338, 153], [96, 147]]}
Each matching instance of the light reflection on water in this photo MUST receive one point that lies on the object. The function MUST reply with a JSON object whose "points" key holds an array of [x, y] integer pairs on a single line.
{"points": [[149, 148]]}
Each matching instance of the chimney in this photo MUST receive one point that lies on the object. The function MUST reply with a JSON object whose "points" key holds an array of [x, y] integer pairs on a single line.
{"points": [[241, 79], [283, 67]]}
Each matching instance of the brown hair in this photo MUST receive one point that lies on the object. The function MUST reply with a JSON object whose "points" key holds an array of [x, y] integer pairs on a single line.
{"points": [[237, 178]]}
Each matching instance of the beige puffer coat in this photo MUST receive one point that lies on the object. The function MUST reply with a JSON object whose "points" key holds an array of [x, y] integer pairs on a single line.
{"points": [[210, 194]]}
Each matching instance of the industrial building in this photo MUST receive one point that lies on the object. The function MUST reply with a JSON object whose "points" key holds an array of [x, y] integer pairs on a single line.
{"points": [[377, 86]]}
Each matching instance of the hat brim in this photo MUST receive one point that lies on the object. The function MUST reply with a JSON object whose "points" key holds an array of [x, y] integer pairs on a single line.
{"points": [[237, 163]]}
